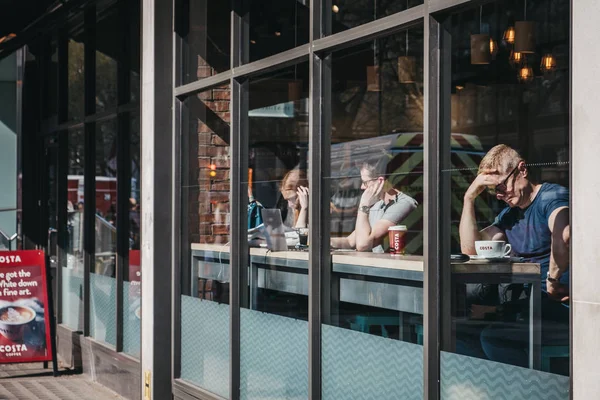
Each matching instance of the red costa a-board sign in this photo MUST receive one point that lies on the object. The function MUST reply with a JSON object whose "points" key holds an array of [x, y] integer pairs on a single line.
{"points": [[24, 316]]}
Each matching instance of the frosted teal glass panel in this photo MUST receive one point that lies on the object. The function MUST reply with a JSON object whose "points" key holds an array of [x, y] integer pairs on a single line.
{"points": [[132, 313], [103, 309], [274, 356], [205, 344], [358, 365], [466, 378], [72, 294]]}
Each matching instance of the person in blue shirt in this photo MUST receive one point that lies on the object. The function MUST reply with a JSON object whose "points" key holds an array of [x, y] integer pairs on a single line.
{"points": [[536, 224]]}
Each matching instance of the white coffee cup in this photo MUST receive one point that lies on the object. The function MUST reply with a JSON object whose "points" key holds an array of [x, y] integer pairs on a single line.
{"points": [[492, 248]]}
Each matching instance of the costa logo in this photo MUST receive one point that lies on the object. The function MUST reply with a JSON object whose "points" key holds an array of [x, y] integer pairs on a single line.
{"points": [[486, 248], [9, 259]]}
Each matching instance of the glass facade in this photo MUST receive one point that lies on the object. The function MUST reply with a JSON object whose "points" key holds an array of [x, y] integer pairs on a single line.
{"points": [[88, 130], [369, 199], [405, 181]]}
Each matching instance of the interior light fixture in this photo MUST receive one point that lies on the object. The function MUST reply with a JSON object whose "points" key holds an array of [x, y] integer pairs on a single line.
{"points": [[407, 65], [480, 45], [548, 63], [525, 74], [252, 41], [525, 34], [335, 9], [277, 33], [515, 58], [493, 48], [509, 35]]}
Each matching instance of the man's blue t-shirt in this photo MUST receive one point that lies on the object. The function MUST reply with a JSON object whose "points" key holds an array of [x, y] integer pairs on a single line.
{"points": [[527, 229]]}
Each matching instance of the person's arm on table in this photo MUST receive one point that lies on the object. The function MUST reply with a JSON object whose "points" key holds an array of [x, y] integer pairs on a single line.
{"points": [[559, 253], [344, 242], [468, 231]]}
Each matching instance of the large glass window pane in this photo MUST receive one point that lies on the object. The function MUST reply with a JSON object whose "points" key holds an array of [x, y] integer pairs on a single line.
{"points": [[102, 277], [206, 37], [108, 42], [205, 230], [346, 14], [373, 331], [509, 180], [276, 26], [274, 314], [132, 280], [72, 273], [76, 78]]}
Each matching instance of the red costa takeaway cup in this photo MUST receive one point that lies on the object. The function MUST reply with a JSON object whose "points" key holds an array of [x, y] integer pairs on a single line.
{"points": [[397, 235]]}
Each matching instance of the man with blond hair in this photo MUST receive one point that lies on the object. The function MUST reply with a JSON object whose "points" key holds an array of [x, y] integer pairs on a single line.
{"points": [[535, 222]]}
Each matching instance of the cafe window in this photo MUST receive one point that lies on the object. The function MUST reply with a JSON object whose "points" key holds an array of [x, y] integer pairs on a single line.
{"points": [[375, 187], [204, 27], [205, 239], [509, 200]]}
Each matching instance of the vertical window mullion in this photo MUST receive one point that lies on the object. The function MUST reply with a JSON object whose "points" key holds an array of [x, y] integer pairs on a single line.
{"points": [[90, 158]]}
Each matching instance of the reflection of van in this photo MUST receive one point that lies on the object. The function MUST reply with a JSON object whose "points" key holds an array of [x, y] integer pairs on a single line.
{"points": [[405, 172]]}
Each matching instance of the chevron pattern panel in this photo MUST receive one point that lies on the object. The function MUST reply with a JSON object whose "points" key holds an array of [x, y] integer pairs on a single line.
{"points": [[131, 322], [205, 344], [274, 357], [72, 298], [468, 378], [357, 366], [103, 321]]}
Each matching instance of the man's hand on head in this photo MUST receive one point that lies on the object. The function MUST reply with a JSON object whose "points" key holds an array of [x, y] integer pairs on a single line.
{"points": [[484, 180], [371, 194]]}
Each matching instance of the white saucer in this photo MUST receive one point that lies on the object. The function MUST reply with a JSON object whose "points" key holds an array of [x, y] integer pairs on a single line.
{"points": [[492, 258]]}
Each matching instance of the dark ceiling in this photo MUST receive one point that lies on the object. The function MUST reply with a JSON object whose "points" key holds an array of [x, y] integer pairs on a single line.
{"points": [[15, 15]]}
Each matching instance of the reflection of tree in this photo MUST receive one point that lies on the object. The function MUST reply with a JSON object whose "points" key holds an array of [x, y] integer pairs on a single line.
{"points": [[76, 79], [360, 113]]}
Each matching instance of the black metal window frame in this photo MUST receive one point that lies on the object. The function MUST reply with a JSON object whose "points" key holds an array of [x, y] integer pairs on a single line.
{"points": [[432, 15], [59, 125]]}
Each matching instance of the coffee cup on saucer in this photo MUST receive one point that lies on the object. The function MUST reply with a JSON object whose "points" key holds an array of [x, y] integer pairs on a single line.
{"points": [[492, 248]]}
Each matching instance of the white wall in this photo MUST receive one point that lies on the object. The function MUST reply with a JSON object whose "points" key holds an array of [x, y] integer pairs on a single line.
{"points": [[585, 213]]}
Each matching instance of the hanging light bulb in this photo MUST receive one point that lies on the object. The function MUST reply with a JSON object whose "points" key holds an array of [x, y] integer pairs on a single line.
{"points": [[525, 74], [509, 35], [515, 58], [548, 63], [335, 8], [493, 48]]}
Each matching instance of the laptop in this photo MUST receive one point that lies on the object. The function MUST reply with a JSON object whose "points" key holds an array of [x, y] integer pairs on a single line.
{"points": [[274, 229]]}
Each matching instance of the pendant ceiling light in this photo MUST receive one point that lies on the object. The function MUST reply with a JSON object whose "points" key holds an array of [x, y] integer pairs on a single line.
{"points": [[407, 66], [515, 58], [548, 63], [525, 35], [525, 74], [480, 46], [493, 48], [509, 35], [373, 78]]}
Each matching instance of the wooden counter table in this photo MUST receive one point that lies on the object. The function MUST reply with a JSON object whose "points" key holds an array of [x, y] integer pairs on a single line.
{"points": [[372, 279]]}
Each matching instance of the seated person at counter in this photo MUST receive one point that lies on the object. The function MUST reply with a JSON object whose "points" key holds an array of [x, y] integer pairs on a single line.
{"points": [[381, 206], [293, 202], [536, 224], [294, 199]]}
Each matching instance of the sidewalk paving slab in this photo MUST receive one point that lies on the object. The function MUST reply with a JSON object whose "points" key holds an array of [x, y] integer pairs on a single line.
{"points": [[32, 381]]}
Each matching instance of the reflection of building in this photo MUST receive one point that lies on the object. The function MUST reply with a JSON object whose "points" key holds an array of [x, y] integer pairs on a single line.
{"points": [[238, 96]]}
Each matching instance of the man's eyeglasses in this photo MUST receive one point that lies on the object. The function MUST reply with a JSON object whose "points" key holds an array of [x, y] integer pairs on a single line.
{"points": [[501, 187], [365, 183]]}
